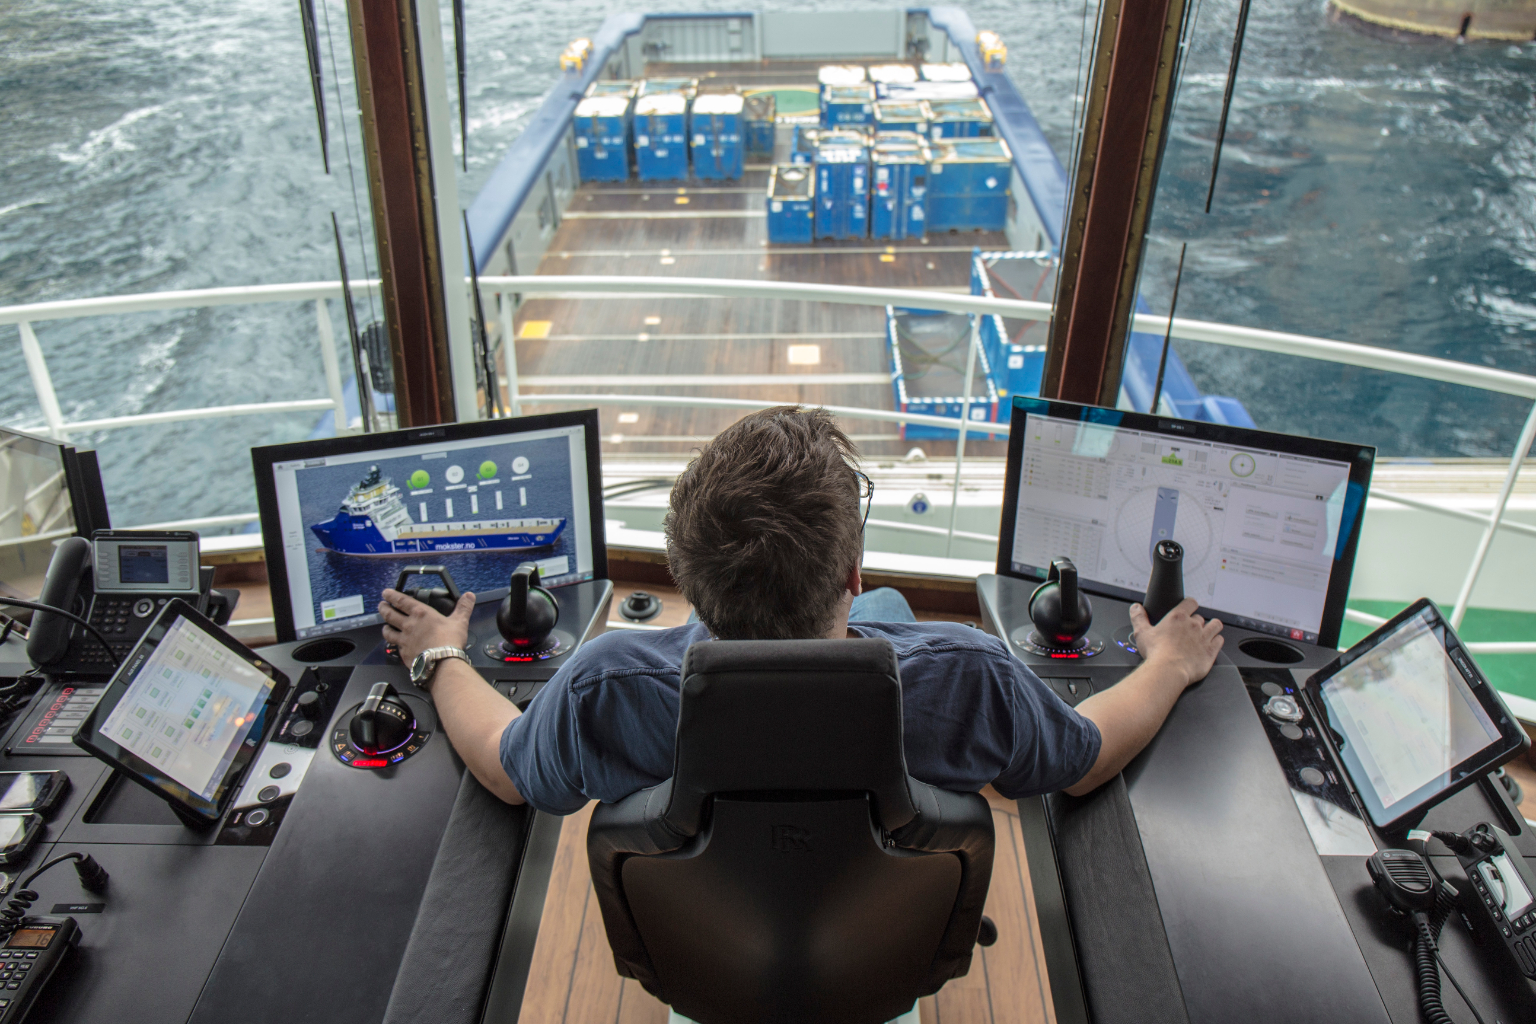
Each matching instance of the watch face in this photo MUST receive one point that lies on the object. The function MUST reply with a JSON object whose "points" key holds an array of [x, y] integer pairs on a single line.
{"points": [[419, 668]]}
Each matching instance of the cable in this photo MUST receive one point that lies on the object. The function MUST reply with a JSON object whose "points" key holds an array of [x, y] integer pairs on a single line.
{"points": [[35, 606], [93, 877], [1460, 991]]}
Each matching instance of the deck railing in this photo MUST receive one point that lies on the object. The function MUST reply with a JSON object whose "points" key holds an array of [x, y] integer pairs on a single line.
{"points": [[594, 287]]}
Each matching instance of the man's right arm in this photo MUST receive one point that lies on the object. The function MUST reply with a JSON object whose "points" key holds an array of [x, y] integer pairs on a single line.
{"points": [[1176, 652]]}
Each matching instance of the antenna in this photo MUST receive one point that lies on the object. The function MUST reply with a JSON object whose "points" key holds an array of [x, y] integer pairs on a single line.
{"points": [[359, 357], [316, 82], [492, 385], [458, 52]]}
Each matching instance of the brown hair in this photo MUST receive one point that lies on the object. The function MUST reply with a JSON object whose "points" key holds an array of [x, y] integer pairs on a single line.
{"points": [[764, 526]]}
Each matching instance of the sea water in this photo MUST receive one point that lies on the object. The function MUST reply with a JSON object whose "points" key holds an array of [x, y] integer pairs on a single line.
{"points": [[1373, 190]]}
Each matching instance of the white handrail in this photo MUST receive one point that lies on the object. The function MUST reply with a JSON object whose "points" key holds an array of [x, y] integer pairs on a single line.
{"points": [[1328, 350]]}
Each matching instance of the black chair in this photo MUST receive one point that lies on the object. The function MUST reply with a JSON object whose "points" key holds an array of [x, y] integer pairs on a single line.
{"points": [[791, 869]]}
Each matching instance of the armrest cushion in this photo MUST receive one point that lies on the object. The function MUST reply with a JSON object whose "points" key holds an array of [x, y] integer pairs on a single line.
{"points": [[618, 830], [959, 824]]}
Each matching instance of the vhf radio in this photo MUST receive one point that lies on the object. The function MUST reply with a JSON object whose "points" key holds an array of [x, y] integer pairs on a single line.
{"points": [[1504, 886]]}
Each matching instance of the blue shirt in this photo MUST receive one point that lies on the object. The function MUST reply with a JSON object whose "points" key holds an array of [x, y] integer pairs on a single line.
{"points": [[604, 726]]}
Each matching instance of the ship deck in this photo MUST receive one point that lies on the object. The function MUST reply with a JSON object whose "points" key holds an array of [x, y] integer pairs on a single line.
{"points": [[723, 348]]}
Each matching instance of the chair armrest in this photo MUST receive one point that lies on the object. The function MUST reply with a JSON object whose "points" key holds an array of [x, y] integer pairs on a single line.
{"points": [[959, 824], [634, 825]]}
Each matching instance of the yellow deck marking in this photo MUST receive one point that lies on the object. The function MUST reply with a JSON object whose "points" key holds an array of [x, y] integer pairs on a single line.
{"points": [[629, 417], [886, 257], [534, 329], [804, 355], [652, 321]]}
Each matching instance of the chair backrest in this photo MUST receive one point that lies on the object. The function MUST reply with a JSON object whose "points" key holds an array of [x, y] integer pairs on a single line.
{"points": [[791, 869]]}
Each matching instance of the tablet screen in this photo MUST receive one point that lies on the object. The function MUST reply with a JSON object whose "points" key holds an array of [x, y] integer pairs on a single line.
{"points": [[189, 708], [1408, 716], [186, 712]]}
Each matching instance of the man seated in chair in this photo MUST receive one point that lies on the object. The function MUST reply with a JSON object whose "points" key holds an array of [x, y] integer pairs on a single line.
{"points": [[765, 537]]}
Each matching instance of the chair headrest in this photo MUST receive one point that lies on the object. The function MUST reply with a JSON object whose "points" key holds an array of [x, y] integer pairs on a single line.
{"points": [[789, 715]]}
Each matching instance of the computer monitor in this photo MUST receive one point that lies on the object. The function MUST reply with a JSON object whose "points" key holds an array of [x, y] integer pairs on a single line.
{"points": [[48, 491], [340, 517], [1269, 523]]}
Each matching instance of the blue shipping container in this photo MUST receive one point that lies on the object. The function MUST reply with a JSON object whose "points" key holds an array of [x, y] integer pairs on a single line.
{"points": [[760, 110], [807, 138], [716, 129], [791, 204], [959, 119], [968, 185], [898, 187], [842, 191], [846, 105], [601, 126], [901, 116], [661, 137]]}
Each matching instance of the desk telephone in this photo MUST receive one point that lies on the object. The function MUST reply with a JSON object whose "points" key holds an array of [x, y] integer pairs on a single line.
{"points": [[117, 580]]}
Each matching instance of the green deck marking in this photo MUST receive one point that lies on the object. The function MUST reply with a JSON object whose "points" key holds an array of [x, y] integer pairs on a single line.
{"points": [[1512, 673]]}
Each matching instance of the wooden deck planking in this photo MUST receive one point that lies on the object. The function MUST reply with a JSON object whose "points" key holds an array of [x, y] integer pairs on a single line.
{"points": [[572, 979], [600, 336]]}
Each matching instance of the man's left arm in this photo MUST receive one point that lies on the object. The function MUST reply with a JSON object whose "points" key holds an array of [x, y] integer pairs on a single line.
{"points": [[472, 713]]}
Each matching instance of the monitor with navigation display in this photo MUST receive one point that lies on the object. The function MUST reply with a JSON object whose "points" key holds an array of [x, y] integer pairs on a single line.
{"points": [[1268, 522], [340, 517], [185, 713], [1412, 718]]}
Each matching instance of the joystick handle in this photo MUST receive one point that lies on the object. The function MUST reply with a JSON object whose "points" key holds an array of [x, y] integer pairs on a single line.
{"points": [[444, 598], [1060, 611], [529, 612], [383, 722], [1166, 587]]}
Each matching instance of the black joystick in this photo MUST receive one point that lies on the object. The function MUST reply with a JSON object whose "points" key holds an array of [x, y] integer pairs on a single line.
{"points": [[443, 599], [383, 723], [1061, 612], [640, 606], [1166, 587], [528, 613]]}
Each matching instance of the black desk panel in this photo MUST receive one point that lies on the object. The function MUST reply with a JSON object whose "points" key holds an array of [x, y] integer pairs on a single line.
{"points": [[1202, 837]]}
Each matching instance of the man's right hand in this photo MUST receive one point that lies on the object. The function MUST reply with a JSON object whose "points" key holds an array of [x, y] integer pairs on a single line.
{"points": [[1183, 644]]}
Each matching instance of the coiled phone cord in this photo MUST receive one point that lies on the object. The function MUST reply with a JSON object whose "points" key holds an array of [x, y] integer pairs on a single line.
{"points": [[92, 876]]}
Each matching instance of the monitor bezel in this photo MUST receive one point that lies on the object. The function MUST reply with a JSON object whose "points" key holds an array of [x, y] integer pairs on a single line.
{"points": [[1361, 459], [1512, 742], [262, 459], [89, 738]]}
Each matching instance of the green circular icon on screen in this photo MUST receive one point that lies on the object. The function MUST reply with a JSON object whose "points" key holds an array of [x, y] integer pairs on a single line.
{"points": [[487, 470], [1243, 464], [419, 479]]}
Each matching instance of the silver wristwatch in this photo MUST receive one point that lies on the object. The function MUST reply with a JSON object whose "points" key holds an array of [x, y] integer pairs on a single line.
{"points": [[426, 662]]}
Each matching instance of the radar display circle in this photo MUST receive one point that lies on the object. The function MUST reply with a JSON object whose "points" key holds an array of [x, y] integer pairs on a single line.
{"points": [[1243, 464], [419, 479]]}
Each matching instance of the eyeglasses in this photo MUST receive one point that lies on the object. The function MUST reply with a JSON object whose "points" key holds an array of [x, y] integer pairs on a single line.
{"points": [[867, 495]]}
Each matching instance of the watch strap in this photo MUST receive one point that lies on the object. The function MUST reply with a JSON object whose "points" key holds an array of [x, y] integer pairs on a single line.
{"points": [[434, 655]]}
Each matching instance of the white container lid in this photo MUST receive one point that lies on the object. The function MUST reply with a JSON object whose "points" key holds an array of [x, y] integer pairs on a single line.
{"points": [[840, 74], [930, 91], [718, 103], [893, 73], [955, 72], [661, 103], [603, 106]]}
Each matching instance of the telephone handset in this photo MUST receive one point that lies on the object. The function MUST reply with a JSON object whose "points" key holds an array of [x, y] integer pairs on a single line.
{"points": [[123, 577], [48, 638]]}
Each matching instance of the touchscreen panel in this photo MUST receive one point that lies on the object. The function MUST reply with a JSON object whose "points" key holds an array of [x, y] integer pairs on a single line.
{"points": [[1407, 714], [189, 708], [1261, 527], [146, 563]]}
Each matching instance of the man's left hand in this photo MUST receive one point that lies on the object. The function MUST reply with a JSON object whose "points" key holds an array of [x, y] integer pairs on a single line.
{"points": [[414, 626]]}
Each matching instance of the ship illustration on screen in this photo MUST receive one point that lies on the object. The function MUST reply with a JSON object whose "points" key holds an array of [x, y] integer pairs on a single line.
{"points": [[373, 520]]}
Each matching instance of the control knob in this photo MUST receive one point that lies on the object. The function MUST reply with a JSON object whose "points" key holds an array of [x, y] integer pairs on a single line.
{"points": [[383, 723], [308, 704]]}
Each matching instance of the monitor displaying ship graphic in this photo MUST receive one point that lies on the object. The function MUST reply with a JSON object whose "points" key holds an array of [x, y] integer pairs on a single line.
{"points": [[373, 520]]}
